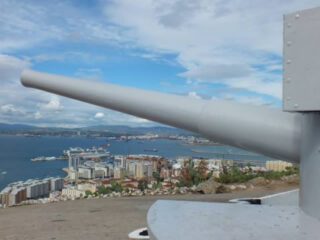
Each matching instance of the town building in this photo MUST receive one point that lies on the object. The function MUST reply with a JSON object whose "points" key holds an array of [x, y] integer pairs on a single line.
{"points": [[87, 187], [277, 165], [20, 191], [71, 192]]}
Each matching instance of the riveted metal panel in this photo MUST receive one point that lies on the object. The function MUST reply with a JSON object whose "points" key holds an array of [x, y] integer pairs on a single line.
{"points": [[301, 61]]}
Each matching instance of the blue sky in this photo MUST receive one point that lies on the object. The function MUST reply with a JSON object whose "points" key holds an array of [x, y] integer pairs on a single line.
{"points": [[208, 49]]}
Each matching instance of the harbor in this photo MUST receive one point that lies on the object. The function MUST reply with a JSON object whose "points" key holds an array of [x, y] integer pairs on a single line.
{"points": [[54, 146]]}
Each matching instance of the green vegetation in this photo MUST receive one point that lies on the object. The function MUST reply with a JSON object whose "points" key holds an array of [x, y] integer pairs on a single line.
{"points": [[234, 175], [123, 175], [88, 192], [156, 186], [157, 177], [102, 189], [116, 187], [194, 175]]}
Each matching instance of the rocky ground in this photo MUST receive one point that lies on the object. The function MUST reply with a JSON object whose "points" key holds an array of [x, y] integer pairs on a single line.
{"points": [[106, 218]]}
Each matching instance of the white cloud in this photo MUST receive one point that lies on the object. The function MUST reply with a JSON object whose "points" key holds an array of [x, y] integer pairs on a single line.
{"points": [[194, 95], [137, 120], [10, 109], [37, 115], [216, 41], [53, 105], [11, 68], [99, 115]]}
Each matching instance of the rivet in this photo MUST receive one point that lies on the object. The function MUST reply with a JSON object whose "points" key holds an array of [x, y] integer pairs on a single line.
{"points": [[297, 16], [288, 61], [289, 43], [288, 25], [296, 106], [288, 98], [288, 80]]}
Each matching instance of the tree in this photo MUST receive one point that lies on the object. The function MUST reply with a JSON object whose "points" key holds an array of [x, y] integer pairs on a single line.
{"points": [[157, 177], [202, 170], [193, 176], [143, 184]]}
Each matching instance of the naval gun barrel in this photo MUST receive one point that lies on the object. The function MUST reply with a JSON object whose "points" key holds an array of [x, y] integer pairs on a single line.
{"points": [[255, 128]]}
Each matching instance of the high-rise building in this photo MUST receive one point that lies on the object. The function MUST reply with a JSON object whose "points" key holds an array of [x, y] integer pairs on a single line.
{"points": [[56, 184], [119, 172], [4, 196], [85, 172], [132, 168], [144, 170]]}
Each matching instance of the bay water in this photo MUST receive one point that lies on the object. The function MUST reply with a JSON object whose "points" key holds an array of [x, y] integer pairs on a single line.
{"points": [[16, 152]]}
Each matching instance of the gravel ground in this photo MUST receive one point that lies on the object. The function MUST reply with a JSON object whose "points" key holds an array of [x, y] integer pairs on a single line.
{"points": [[97, 219]]}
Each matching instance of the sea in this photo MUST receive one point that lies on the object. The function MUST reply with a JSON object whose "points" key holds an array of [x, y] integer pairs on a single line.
{"points": [[16, 152]]}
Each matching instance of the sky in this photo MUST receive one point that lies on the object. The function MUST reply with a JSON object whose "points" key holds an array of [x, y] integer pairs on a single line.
{"points": [[204, 49]]}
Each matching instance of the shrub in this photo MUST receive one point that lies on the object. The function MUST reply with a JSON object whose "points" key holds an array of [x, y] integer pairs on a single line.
{"points": [[87, 192], [103, 190], [156, 186], [116, 187]]}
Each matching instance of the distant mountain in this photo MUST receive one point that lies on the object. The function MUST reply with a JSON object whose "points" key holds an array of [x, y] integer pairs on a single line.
{"points": [[120, 129], [9, 127], [116, 129]]}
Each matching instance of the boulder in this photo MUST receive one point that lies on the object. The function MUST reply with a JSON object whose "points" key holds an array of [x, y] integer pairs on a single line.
{"points": [[241, 186], [207, 187], [291, 179], [222, 189], [258, 181], [193, 188]]}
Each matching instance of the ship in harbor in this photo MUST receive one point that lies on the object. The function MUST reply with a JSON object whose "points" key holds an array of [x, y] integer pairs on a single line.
{"points": [[151, 150], [40, 159]]}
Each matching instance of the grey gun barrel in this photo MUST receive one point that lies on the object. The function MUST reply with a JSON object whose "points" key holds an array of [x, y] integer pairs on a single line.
{"points": [[255, 128]]}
